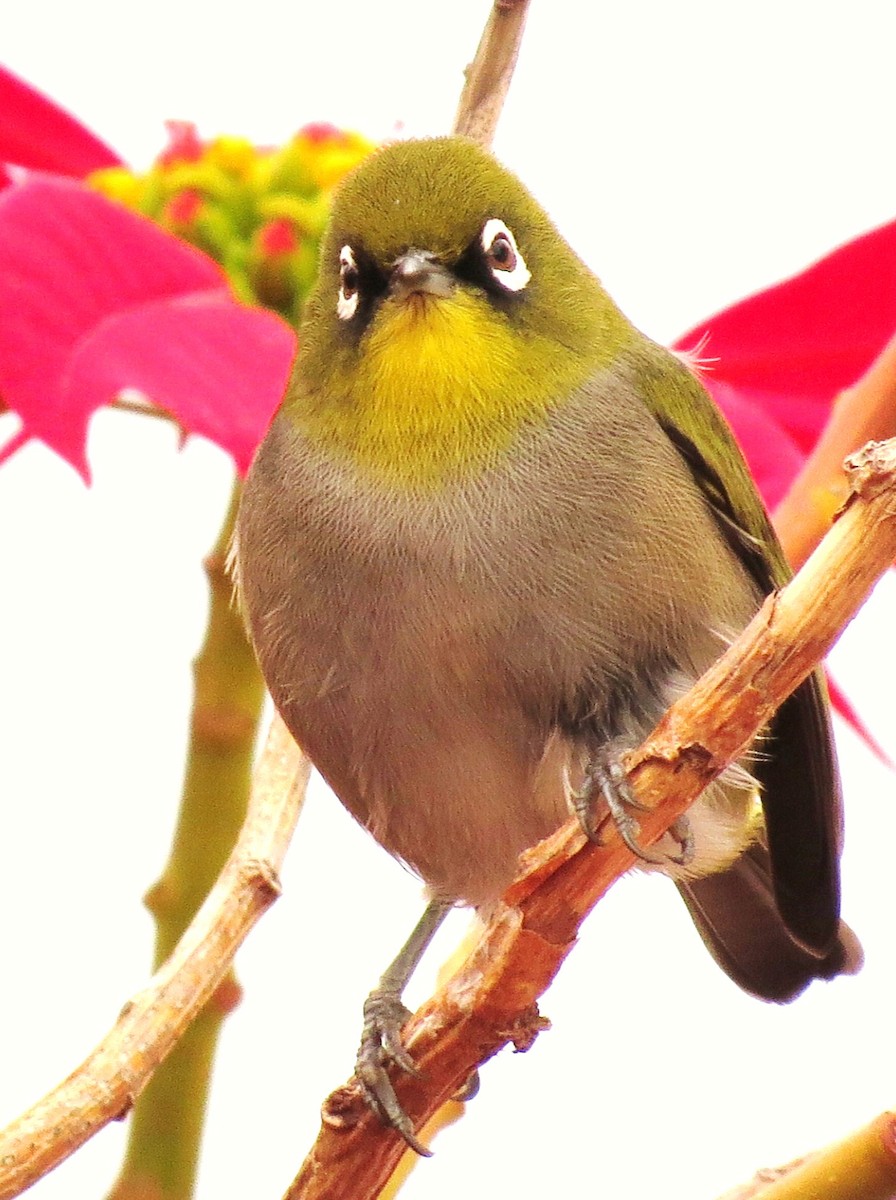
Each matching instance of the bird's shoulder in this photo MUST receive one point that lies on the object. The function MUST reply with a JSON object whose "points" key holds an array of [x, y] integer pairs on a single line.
{"points": [[688, 416]]}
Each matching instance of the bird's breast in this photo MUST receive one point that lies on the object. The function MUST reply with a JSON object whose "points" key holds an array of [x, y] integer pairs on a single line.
{"points": [[427, 646]]}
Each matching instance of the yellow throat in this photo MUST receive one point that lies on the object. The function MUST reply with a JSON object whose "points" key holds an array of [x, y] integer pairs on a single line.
{"points": [[439, 388]]}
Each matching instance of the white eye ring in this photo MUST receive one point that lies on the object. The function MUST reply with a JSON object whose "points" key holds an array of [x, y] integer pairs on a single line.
{"points": [[502, 256], [347, 303]]}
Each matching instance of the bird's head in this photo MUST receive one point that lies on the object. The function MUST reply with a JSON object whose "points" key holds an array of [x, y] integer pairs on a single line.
{"points": [[447, 312]]}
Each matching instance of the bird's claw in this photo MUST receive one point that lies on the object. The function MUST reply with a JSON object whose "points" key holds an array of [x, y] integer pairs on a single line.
{"points": [[606, 775], [381, 1046], [683, 833], [468, 1089]]}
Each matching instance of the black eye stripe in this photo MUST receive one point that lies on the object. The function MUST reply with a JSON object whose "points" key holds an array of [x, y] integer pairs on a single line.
{"points": [[478, 265], [350, 278], [360, 281], [369, 276]]}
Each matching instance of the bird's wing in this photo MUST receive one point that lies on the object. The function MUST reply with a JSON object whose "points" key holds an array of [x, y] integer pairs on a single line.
{"points": [[797, 766]]}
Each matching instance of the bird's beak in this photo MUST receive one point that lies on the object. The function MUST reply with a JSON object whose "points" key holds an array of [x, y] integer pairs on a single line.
{"points": [[418, 273]]}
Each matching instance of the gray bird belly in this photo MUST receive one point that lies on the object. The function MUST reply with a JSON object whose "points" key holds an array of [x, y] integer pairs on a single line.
{"points": [[443, 658]]}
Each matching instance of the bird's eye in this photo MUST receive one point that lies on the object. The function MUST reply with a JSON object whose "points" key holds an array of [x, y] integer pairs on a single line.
{"points": [[502, 256], [349, 280]]}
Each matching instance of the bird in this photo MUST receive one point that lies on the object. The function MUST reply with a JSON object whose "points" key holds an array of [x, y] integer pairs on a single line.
{"points": [[492, 532]]}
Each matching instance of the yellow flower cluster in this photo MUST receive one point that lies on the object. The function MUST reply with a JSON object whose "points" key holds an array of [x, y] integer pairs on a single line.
{"points": [[259, 212]]}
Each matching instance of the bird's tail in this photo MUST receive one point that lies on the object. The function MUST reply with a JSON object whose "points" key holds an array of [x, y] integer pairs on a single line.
{"points": [[737, 917]]}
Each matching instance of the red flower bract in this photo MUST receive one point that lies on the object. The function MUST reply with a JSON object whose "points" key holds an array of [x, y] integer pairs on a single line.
{"points": [[35, 132], [97, 299], [777, 360]]}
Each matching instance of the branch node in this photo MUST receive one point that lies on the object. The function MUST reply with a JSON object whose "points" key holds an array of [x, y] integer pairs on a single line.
{"points": [[261, 876], [872, 470], [697, 758], [343, 1108], [671, 753], [524, 1029]]}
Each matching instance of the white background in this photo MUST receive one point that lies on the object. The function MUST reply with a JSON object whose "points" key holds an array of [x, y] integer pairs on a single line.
{"points": [[692, 152]]}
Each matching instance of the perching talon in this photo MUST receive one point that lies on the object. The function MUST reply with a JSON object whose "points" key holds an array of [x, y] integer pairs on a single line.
{"points": [[468, 1089], [381, 1045], [384, 1016], [606, 773]]}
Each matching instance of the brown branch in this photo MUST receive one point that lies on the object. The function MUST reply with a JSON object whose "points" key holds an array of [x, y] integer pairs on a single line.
{"points": [[488, 75], [106, 1084], [865, 411], [861, 1167], [492, 999]]}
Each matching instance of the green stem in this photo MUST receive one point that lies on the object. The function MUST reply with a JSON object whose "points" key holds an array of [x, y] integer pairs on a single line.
{"points": [[166, 1124]]}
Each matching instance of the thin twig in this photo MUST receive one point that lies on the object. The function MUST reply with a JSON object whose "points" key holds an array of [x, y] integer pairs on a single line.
{"points": [[492, 1000], [488, 75], [861, 1167], [106, 1084]]}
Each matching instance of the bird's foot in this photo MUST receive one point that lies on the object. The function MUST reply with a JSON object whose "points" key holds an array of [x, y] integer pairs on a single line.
{"points": [[381, 1047], [605, 777]]}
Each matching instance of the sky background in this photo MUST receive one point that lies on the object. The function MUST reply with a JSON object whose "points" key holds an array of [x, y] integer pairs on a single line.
{"points": [[691, 153]]}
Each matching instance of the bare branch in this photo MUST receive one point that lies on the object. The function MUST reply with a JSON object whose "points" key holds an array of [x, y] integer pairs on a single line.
{"points": [[488, 75], [492, 999], [861, 1167], [106, 1084]]}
